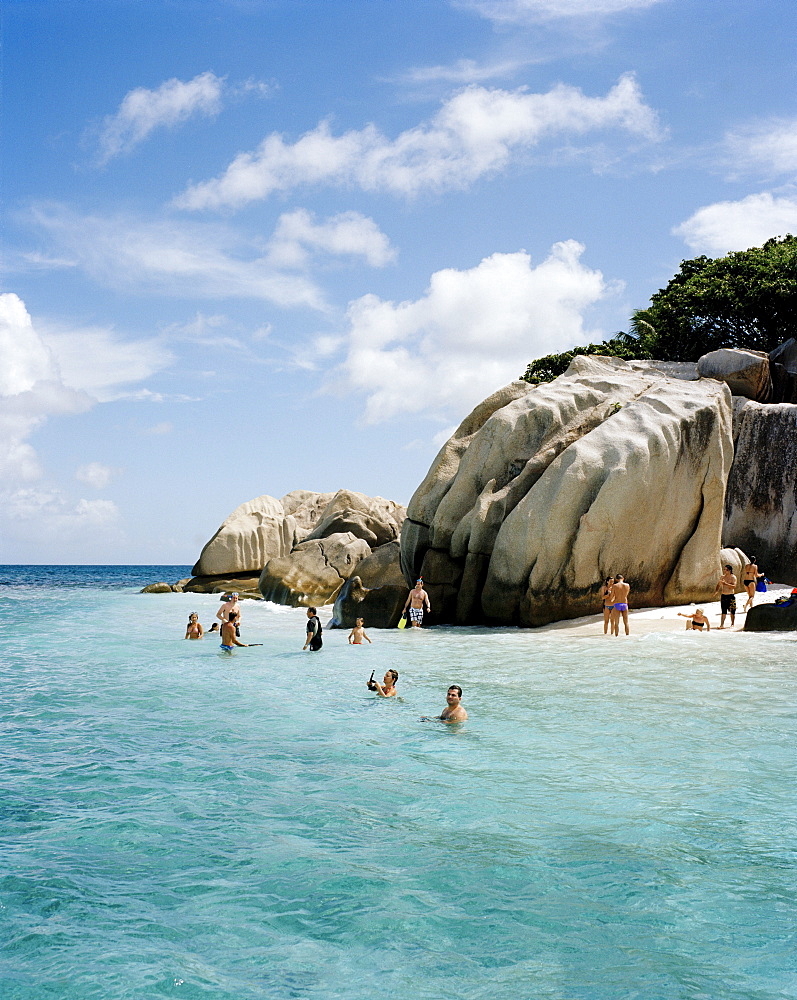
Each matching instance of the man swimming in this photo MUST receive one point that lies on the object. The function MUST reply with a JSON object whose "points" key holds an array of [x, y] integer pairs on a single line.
{"points": [[454, 710]]}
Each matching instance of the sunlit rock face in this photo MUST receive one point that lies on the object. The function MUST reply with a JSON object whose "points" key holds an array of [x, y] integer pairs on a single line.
{"points": [[255, 532], [376, 592], [544, 491], [745, 372], [761, 500], [314, 571]]}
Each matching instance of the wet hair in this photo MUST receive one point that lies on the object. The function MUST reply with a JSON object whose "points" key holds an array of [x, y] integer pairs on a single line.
{"points": [[455, 687], [394, 674], [312, 611], [730, 568], [193, 615], [233, 615]]}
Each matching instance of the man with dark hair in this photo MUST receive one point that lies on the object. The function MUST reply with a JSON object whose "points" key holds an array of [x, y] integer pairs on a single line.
{"points": [[453, 712], [619, 599], [726, 587], [314, 630], [417, 601], [228, 637]]}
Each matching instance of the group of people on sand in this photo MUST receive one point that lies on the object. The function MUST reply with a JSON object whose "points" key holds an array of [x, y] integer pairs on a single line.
{"points": [[615, 593]]}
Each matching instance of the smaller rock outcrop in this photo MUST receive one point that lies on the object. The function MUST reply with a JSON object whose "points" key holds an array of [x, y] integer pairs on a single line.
{"points": [[737, 560], [314, 571], [241, 584], [156, 588], [771, 618], [745, 372], [375, 520], [376, 592]]}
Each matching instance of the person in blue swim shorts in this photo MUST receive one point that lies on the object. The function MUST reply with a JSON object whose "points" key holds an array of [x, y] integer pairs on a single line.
{"points": [[619, 598], [229, 640]]}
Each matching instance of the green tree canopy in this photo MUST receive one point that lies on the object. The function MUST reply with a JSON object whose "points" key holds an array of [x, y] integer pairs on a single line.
{"points": [[747, 299]]}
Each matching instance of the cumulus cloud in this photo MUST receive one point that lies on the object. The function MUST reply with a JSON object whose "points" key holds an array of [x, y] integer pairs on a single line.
{"points": [[347, 234], [142, 111], [769, 148], [31, 389], [49, 371], [474, 133], [95, 474], [463, 71], [736, 225], [58, 521], [470, 333], [526, 11]]}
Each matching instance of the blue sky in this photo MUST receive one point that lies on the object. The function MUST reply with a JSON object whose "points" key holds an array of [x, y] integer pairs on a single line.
{"points": [[252, 246]]}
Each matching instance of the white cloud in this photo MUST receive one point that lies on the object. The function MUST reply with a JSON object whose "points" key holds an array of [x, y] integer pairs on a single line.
{"points": [[163, 428], [471, 332], [736, 225], [349, 233], [474, 133], [95, 474], [526, 11], [172, 258], [769, 148], [463, 71], [142, 111], [56, 520], [30, 390]]}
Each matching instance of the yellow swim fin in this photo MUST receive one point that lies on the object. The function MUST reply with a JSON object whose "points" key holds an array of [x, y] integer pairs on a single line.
{"points": [[402, 622]]}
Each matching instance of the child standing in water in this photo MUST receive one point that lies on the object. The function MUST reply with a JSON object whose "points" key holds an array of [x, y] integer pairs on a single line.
{"points": [[357, 634]]}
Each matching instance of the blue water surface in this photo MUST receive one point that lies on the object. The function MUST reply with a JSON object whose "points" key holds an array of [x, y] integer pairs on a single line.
{"points": [[615, 820]]}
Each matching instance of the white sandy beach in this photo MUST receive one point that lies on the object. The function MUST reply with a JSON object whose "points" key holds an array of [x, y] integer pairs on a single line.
{"points": [[645, 621]]}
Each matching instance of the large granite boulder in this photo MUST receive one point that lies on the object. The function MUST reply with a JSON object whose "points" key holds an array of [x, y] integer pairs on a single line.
{"points": [[376, 592], [314, 571], [255, 532], [305, 507], [761, 499], [543, 491], [746, 372], [771, 618], [375, 520]]}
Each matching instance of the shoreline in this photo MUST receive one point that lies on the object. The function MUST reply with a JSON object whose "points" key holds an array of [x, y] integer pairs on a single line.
{"points": [[648, 621]]}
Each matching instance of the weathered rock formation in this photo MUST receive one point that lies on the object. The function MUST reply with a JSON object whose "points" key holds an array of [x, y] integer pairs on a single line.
{"points": [[745, 372], [374, 520], [761, 499], [376, 592], [255, 532], [314, 572], [543, 491], [737, 560], [783, 368]]}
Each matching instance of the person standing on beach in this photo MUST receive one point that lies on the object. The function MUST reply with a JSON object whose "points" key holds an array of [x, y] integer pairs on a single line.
{"points": [[314, 630], [418, 600], [606, 594], [228, 637], [750, 577], [726, 588], [619, 598]]}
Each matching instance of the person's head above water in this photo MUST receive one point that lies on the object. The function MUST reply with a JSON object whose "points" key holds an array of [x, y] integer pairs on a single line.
{"points": [[193, 615], [233, 616], [310, 612], [456, 688], [392, 673], [359, 621]]}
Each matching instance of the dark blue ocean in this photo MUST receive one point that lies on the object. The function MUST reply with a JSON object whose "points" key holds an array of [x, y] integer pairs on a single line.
{"points": [[615, 821]]}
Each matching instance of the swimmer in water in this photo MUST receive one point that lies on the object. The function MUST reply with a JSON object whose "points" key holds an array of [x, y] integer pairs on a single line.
{"points": [[228, 637], [357, 634], [194, 630], [387, 689], [454, 710]]}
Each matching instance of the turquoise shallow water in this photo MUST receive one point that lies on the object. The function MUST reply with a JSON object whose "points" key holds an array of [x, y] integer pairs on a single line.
{"points": [[616, 820]]}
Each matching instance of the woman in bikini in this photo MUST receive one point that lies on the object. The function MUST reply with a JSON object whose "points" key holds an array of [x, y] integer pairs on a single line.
{"points": [[750, 577], [194, 630], [696, 621], [606, 594]]}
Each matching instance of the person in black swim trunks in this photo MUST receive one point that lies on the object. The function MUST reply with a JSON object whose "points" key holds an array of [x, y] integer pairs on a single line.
{"points": [[726, 588]]}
